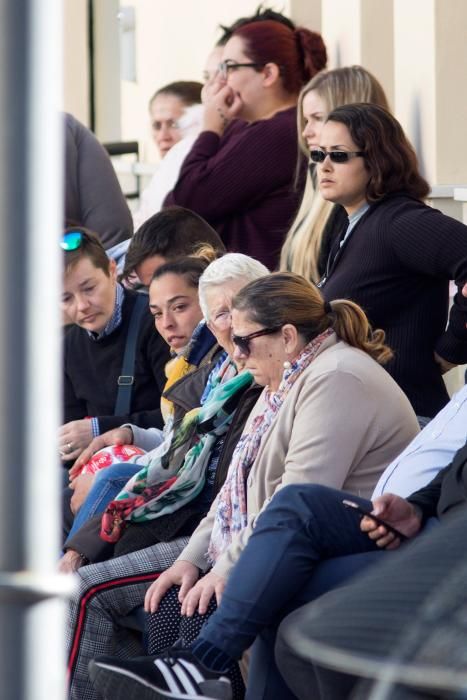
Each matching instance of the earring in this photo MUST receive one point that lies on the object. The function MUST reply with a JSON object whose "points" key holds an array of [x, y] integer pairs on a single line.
{"points": [[287, 365]]}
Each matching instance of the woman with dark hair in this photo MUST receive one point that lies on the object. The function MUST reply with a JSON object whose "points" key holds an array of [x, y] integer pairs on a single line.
{"points": [[318, 223], [169, 234], [240, 177], [397, 255]]}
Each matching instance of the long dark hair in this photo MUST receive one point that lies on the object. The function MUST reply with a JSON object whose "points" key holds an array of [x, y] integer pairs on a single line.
{"points": [[389, 156]]}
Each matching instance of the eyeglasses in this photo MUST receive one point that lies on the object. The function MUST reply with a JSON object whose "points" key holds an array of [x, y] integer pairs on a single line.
{"points": [[243, 341], [71, 240], [319, 156], [228, 65]]}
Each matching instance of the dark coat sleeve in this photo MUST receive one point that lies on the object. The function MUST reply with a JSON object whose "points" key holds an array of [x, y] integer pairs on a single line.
{"points": [[427, 497], [430, 242], [88, 543], [222, 175]]}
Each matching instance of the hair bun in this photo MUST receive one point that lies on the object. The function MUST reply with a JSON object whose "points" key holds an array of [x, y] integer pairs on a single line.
{"points": [[312, 50], [206, 253]]}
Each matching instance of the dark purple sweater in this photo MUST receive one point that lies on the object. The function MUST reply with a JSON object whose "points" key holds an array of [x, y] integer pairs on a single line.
{"points": [[243, 184], [397, 264]]}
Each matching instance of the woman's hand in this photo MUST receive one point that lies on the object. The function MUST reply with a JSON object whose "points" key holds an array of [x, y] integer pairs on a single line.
{"points": [[200, 595], [71, 561], [182, 573], [398, 513], [81, 486], [221, 104], [117, 436], [73, 437]]}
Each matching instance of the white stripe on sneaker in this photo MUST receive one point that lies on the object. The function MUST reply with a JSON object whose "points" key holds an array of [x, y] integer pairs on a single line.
{"points": [[147, 684], [184, 679], [195, 672], [172, 683]]}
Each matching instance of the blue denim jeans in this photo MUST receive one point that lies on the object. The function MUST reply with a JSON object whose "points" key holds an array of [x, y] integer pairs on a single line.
{"points": [[282, 566], [107, 484]]}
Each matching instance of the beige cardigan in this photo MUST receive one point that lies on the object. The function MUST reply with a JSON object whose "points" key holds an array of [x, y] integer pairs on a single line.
{"points": [[341, 424]]}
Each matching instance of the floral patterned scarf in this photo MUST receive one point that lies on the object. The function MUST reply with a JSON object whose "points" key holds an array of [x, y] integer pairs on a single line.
{"points": [[176, 474], [232, 514]]}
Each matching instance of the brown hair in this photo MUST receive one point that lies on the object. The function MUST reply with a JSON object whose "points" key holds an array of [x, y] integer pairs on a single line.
{"points": [[90, 247], [340, 86], [284, 297], [389, 157], [191, 267], [187, 91], [299, 53], [171, 233]]}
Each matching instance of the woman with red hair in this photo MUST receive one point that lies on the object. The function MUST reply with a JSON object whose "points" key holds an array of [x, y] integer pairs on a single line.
{"points": [[240, 173]]}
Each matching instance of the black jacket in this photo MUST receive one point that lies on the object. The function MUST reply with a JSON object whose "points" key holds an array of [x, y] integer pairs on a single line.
{"points": [[447, 491], [92, 369], [397, 263]]}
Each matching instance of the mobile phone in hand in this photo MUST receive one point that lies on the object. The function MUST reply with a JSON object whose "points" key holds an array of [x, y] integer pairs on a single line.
{"points": [[362, 511]]}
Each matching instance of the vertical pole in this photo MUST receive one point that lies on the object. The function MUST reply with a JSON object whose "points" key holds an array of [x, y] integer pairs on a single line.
{"points": [[31, 593]]}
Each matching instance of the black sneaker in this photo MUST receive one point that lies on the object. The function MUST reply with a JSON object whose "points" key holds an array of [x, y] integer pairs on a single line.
{"points": [[174, 674]]}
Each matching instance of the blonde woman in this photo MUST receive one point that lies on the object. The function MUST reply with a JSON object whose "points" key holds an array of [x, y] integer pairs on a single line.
{"points": [[318, 222]]}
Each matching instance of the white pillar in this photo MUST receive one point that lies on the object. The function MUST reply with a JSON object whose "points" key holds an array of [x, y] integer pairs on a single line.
{"points": [[31, 200]]}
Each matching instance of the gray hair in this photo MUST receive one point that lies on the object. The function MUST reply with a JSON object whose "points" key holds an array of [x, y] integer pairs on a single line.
{"points": [[232, 266]]}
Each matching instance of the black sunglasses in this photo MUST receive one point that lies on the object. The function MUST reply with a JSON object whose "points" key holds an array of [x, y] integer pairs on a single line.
{"points": [[243, 341], [71, 240], [319, 156]]}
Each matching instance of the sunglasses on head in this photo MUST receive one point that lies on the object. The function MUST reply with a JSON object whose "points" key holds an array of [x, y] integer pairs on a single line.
{"points": [[71, 240], [243, 341], [319, 156]]}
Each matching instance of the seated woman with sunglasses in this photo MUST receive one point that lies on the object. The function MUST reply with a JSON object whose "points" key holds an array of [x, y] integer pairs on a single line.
{"points": [[329, 414], [240, 177], [397, 255], [94, 347]]}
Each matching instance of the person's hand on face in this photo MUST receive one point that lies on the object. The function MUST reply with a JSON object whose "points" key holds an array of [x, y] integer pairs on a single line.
{"points": [[222, 105]]}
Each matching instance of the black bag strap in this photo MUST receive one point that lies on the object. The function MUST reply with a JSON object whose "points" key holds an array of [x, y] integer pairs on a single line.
{"points": [[126, 379]]}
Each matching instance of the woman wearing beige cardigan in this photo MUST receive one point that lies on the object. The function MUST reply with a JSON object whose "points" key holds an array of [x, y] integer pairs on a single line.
{"points": [[329, 414]]}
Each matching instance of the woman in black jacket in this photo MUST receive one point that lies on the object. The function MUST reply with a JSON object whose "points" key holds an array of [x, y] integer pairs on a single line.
{"points": [[397, 255]]}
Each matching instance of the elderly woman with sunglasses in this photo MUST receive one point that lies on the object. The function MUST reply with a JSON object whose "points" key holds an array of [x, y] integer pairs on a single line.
{"points": [[328, 414], [101, 311], [241, 170], [397, 255]]}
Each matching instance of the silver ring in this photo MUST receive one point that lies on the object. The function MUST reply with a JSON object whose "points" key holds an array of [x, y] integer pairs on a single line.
{"points": [[69, 447]]}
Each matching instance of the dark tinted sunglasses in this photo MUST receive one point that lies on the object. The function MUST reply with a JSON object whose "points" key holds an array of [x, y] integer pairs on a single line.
{"points": [[319, 156], [243, 341], [71, 240]]}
